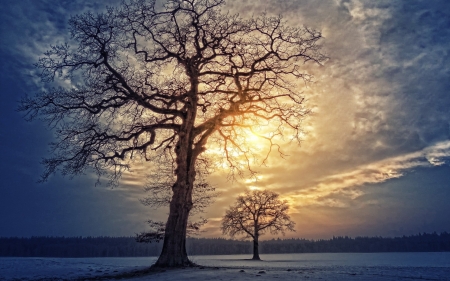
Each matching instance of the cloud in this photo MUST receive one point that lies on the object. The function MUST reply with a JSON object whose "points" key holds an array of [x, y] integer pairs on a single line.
{"points": [[380, 103], [351, 184], [345, 189]]}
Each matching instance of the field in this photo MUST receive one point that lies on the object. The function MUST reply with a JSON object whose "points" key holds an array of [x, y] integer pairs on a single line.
{"points": [[286, 267]]}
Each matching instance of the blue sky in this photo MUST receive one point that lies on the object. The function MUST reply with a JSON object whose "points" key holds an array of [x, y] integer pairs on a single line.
{"points": [[374, 160]]}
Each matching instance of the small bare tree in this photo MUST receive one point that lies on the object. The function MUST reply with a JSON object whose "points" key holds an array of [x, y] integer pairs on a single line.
{"points": [[143, 80], [255, 213]]}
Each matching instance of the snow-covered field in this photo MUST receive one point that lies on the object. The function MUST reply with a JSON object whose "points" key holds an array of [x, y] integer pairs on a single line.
{"points": [[286, 267]]}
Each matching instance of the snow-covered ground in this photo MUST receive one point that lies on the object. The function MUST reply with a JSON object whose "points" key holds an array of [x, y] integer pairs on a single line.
{"points": [[286, 267]]}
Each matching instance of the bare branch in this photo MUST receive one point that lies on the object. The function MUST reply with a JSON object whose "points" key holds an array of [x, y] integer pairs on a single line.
{"points": [[255, 213], [141, 81]]}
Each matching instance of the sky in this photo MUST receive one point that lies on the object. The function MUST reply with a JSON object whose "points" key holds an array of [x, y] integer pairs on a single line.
{"points": [[374, 160]]}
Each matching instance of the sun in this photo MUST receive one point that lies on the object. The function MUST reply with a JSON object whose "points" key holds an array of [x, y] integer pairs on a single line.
{"points": [[256, 141], [253, 139]]}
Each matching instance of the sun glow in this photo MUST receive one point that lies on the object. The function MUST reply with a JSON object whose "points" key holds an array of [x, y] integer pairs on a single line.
{"points": [[254, 141], [244, 146]]}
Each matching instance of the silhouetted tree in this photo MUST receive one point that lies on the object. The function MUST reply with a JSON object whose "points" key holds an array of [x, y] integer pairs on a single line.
{"points": [[158, 229], [145, 81], [255, 213], [160, 183], [159, 186]]}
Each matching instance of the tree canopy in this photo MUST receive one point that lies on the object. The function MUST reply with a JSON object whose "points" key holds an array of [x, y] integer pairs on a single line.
{"points": [[255, 213], [140, 82]]}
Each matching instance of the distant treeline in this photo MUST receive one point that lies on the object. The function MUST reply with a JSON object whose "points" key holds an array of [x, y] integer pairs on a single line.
{"points": [[128, 247]]}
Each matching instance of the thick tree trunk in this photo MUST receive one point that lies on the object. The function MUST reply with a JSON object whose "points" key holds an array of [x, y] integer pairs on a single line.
{"points": [[174, 247], [256, 248]]}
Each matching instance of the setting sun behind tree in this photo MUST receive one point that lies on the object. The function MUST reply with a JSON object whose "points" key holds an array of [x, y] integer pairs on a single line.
{"points": [[146, 82]]}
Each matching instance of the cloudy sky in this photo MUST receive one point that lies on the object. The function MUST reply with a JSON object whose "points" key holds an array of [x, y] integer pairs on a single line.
{"points": [[374, 160]]}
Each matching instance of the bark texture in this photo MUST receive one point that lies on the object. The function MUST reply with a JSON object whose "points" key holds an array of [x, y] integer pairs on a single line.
{"points": [[174, 246]]}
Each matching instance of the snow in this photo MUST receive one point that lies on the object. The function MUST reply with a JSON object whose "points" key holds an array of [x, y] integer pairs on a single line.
{"points": [[286, 267], [68, 268]]}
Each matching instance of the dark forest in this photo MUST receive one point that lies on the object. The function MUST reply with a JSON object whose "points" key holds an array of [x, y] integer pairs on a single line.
{"points": [[128, 247]]}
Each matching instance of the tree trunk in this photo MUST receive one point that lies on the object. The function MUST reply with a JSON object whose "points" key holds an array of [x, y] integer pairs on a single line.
{"points": [[174, 253], [174, 247], [256, 248]]}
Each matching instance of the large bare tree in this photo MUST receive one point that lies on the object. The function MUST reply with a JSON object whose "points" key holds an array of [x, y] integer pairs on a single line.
{"points": [[141, 80], [255, 213]]}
